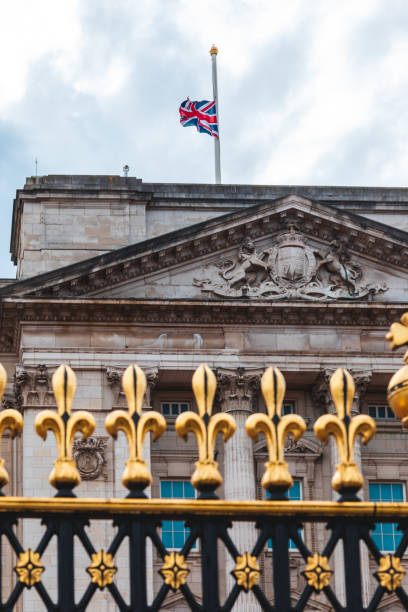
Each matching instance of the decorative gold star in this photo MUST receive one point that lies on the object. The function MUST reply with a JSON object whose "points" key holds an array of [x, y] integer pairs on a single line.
{"points": [[246, 571], [29, 567], [174, 570], [390, 572], [102, 569], [317, 572]]}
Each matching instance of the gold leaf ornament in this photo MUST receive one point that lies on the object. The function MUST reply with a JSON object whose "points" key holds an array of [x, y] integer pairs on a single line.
{"points": [[29, 567], [206, 428], [246, 571], [9, 419], [174, 570], [135, 426], [102, 569], [64, 425], [317, 572], [390, 573], [276, 429], [345, 428]]}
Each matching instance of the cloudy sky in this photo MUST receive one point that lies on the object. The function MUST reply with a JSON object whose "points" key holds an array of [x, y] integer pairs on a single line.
{"points": [[311, 91]]}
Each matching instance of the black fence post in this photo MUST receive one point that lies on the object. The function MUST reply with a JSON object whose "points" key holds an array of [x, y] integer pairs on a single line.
{"points": [[66, 583]]}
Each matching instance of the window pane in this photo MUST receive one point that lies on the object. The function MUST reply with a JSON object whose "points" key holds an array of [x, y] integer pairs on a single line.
{"points": [[294, 492], [397, 492], [174, 409], [165, 409], [381, 412], [179, 539], [167, 539], [183, 407], [385, 490], [175, 533], [374, 491], [390, 414], [177, 488], [372, 411], [388, 542], [189, 492], [165, 488]]}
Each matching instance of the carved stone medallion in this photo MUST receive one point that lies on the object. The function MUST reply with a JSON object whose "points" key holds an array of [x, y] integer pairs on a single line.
{"points": [[289, 269], [89, 456]]}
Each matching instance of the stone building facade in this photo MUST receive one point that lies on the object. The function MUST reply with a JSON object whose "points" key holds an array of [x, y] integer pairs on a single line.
{"points": [[112, 270]]}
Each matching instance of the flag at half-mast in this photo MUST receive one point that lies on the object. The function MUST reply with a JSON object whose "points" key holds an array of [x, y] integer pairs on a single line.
{"points": [[202, 115]]}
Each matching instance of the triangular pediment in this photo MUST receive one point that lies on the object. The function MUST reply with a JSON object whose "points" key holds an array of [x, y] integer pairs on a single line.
{"points": [[289, 249]]}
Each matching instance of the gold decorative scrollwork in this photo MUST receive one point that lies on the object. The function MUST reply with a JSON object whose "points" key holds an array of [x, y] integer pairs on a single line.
{"points": [[205, 427], [29, 567], [135, 425], [174, 570], [246, 571], [276, 429], [317, 572], [345, 429], [390, 573], [102, 569], [65, 474], [9, 419]]}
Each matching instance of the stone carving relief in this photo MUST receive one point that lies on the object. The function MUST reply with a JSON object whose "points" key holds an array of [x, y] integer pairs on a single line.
{"points": [[289, 269], [33, 388], [90, 457]]}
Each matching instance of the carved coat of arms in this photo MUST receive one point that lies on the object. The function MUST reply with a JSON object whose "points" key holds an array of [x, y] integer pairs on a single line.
{"points": [[289, 269]]}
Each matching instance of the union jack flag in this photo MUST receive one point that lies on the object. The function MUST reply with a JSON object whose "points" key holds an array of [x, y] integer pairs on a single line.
{"points": [[202, 114]]}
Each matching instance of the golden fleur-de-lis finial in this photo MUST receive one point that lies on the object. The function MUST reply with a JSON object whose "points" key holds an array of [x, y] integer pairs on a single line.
{"points": [[135, 425], [9, 419], [345, 429], [65, 475], [276, 429], [205, 427]]}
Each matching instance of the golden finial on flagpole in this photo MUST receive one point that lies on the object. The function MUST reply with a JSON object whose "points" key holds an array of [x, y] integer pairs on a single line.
{"points": [[214, 50]]}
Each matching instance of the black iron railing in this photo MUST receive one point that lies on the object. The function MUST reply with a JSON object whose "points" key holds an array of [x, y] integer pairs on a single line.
{"points": [[137, 520]]}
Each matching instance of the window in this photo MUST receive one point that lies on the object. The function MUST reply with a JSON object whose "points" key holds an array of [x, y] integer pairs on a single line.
{"points": [[386, 535], [175, 533], [173, 409], [381, 411], [294, 494], [288, 408]]}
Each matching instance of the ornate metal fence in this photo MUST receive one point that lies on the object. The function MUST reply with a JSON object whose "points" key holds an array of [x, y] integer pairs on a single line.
{"points": [[137, 519]]}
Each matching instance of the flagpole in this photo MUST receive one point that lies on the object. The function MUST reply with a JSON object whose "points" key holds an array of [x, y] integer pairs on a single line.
{"points": [[213, 53]]}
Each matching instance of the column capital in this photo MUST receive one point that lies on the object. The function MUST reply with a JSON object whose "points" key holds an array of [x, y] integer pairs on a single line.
{"points": [[32, 387], [321, 389], [114, 378], [236, 388]]}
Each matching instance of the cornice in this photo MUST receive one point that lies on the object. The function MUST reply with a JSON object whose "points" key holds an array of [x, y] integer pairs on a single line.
{"points": [[316, 221], [17, 311]]}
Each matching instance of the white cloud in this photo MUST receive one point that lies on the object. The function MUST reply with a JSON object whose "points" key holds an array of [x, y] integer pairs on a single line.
{"points": [[30, 31]]}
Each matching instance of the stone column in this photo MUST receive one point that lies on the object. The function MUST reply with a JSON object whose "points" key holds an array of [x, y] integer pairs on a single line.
{"points": [[322, 398], [236, 391]]}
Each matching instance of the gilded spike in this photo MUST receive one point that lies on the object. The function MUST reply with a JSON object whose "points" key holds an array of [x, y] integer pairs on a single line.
{"points": [[206, 428], [275, 429], [345, 429], [9, 419], [65, 475], [135, 425]]}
